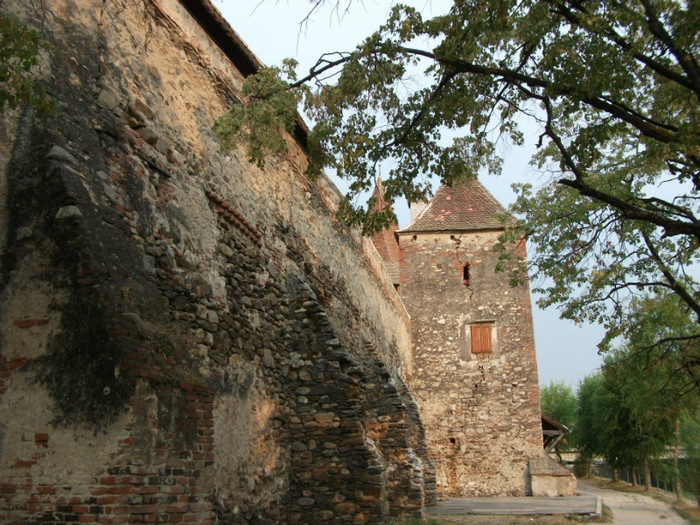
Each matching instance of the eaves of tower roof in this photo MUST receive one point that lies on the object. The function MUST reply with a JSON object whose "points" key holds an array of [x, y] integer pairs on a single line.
{"points": [[467, 206]]}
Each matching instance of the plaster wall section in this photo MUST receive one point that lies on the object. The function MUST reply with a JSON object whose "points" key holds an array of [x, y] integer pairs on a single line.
{"points": [[185, 337], [481, 411]]}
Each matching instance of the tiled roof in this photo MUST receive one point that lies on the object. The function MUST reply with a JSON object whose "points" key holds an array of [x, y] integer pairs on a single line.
{"points": [[384, 241], [467, 206]]}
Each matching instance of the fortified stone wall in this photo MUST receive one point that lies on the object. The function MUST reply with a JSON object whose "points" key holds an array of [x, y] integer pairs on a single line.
{"points": [[481, 411], [185, 337]]}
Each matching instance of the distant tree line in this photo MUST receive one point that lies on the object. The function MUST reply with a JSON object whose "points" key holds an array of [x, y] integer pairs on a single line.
{"points": [[640, 408]]}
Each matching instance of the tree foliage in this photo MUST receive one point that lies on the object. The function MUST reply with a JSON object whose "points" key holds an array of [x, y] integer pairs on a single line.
{"points": [[590, 440], [690, 439], [612, 86], [661, 333], [558, 401], [19, 52], [628, 412], [622, 420]]}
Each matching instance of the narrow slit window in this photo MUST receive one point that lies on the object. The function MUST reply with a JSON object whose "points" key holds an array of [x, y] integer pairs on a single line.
{"points": [[465, 275]]}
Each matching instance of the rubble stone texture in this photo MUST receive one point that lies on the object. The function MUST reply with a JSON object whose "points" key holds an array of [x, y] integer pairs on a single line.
{"points": [[480, 408], [185, 337]]}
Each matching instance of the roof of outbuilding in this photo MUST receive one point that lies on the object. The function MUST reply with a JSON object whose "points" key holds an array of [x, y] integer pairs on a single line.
{"points": [[467, 206]]}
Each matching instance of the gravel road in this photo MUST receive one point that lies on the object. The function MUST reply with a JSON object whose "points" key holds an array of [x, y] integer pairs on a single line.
{"points": [[634, 509]]}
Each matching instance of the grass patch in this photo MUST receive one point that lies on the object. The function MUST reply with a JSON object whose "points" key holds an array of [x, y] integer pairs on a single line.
{"points": [[690, 514]]}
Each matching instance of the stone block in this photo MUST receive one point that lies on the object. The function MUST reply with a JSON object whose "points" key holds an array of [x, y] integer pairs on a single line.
{"points": [[549, 478]]}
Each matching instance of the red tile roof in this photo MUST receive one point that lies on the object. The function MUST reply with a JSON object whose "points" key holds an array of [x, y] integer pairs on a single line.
{"points": [[467, 206], [384, 241]]}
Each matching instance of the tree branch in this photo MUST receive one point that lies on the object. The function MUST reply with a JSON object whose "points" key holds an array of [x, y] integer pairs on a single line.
{"points": [[659, 131], [314, 72], [417, 117], [676, 286], [684, 58], [620, 41], [671, 227]]}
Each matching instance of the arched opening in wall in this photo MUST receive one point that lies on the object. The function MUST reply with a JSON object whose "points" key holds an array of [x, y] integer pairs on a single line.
{"points": [[465, 275]]}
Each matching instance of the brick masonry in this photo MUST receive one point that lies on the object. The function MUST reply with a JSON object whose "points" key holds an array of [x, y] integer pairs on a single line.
{"points": [[185, 337]]}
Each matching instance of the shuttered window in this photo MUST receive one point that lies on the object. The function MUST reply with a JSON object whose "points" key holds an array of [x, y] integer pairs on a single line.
{"points": [[481, 339]]}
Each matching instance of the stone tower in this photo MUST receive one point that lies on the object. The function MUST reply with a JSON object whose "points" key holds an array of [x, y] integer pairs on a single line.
{"points": [[474, 370]]}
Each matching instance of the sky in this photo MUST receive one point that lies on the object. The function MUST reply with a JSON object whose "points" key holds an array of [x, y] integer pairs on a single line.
{"points": [[273, 30]]}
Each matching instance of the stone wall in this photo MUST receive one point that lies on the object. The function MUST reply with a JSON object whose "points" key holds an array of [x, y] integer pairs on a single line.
{"points": [[185, 337], [481, 411]]}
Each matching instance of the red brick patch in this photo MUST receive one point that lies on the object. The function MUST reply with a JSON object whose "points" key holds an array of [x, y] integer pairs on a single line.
{"points": [[10, 365], [41, 439], [28, 323]]}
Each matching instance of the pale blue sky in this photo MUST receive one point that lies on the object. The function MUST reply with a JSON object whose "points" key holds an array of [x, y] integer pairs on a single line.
{"points": [[565, 352]]}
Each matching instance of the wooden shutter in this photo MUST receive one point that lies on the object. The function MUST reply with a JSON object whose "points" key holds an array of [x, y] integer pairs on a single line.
{"points": [[481, 339]]}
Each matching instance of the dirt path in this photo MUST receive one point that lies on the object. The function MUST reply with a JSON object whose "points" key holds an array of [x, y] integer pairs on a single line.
{"points": [[634, 509]]}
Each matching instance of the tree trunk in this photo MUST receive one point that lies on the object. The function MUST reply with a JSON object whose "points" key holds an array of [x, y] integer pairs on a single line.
{"points": [[634, 477], [614, 474], [680, 500], [559, 458], [647, 474]]}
